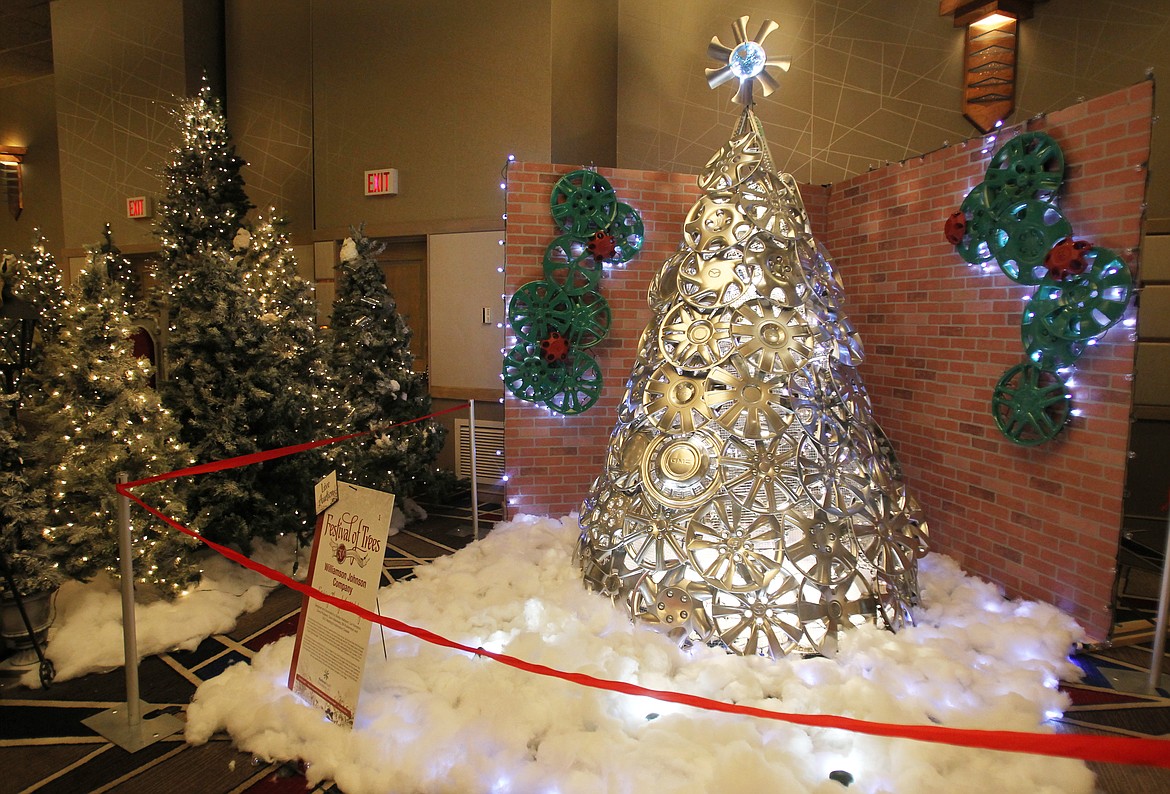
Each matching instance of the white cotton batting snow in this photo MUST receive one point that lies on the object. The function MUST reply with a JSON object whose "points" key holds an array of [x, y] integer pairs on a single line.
{"points": [[436, 720], [86, 634]]}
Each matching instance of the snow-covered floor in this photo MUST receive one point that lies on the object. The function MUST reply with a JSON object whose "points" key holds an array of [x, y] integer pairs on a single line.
{"points": [[436, 720]]}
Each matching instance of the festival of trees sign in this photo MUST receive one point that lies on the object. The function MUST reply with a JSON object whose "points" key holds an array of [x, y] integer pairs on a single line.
{"points": [[348, 547]]}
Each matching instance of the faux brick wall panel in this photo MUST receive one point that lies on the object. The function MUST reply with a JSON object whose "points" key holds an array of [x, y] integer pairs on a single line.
{"points": [[1041, 522]]}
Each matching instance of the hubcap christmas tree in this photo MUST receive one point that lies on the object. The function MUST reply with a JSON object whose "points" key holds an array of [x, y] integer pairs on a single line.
{"points": [[749, 498]]}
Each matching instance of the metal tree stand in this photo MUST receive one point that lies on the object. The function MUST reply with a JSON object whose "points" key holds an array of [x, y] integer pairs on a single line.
{"points": [[46, 672]]}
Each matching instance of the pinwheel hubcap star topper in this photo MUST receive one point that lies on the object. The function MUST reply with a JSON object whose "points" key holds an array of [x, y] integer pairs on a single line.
{"points": [[746, 61]]}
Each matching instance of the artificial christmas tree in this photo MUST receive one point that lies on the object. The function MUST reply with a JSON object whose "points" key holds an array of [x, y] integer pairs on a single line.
{"points": [[119, 269], [294, 349], [23, 512], [98, 416], [204, 200], [38, 281], [369, 353], [220, 387], [235, 361], [749, 498]]}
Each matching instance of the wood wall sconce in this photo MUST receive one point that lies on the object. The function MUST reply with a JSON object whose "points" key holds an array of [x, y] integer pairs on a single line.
{"points": [[11, 177], [989, 56]]}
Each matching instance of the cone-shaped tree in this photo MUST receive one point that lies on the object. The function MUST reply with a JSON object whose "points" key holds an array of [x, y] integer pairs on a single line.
{"points": [[748, 498], [378, 389], [293, 347], [23, 512], [121, 271], [98, 417], [204, 200], [220, 387], [38, 280]]}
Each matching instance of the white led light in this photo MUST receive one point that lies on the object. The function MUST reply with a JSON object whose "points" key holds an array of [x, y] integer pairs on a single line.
{"points": [[747, 60]]}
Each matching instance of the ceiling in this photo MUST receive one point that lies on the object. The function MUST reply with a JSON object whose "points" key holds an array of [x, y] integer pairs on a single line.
{"points": [[26, 44]]}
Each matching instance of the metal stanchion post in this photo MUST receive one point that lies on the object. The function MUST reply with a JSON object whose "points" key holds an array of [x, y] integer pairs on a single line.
{"points": [[474, 478], [1159, 652], [125, 726]]}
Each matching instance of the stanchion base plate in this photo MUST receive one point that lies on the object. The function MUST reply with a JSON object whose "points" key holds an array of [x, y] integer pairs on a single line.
{"points": [[114, 725]]}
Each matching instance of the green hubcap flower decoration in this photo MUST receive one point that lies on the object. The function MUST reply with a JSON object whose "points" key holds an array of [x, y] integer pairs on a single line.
{"points": [[558, 317]]}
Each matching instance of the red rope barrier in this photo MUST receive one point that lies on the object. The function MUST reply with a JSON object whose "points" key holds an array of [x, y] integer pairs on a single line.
{"points": [[1109, 749], [279, 452]]}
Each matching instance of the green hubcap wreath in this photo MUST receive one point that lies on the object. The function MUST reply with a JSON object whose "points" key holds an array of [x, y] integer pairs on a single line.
{"points": [[1027, 166], [582, 202], [569, 265], [1030, 404], [539, 308], [1025, 234], [628, 232], [1044, 347], [981, 222], [1081, 308]]}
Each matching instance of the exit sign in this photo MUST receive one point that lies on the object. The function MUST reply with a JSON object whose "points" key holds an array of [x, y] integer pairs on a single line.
{"points": [[383, 182], [138, 207]]}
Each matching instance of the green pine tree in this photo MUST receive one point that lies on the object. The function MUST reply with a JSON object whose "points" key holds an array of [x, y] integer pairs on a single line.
{"points": [[122, 271], [23, 512], [38, 280], [293, 347], [222, 385], [204, 199], [369, 354], [99, 416]]}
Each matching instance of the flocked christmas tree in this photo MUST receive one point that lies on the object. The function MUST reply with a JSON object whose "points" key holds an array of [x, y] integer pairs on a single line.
{"points": [[31, 291], [99, 416], [23, 511], [292, 346], [228, 379], [38, 280], [749, 498], [121, 271], [204, 199], [373, 367], [31, 296], [220, 387]]}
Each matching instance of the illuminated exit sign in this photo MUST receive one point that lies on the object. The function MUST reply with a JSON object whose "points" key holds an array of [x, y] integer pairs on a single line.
{"points": [[383, 182], [138, 207]]}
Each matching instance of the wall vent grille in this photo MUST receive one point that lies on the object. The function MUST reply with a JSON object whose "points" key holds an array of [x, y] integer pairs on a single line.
{"points": [[489, 451]]}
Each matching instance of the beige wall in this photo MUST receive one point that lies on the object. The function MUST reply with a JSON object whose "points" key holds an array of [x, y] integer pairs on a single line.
{"points": [[119, 69], [463, 280], [270, 105], [583, 62], [443, 91], [871, 81], [28, 118]]}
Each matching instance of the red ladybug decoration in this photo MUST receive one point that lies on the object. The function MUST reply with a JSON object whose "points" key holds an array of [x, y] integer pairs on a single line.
{"points": [[555, 348], [955, 229], [601, 245], [1067, 258]]}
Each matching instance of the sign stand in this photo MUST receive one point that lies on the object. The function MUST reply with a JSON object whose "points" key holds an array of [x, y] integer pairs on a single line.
{"points": [[1159, 651], [349, 545], [125, 726]]}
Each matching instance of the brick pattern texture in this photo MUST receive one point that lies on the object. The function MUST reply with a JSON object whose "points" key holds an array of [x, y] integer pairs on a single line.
{"points": [[1041, 522]]}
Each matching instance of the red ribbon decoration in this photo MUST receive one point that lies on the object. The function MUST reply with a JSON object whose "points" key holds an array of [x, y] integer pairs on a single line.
{"points": [[272, 454], [1107, 749]]}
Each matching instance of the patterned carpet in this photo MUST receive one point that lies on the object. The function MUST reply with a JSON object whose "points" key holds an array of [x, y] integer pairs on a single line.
{"points": [[44, 747]]}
